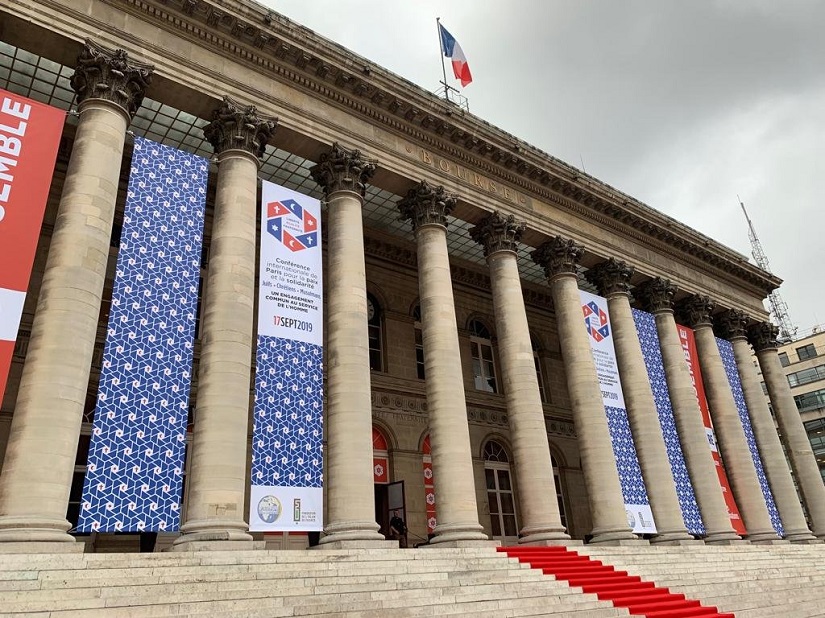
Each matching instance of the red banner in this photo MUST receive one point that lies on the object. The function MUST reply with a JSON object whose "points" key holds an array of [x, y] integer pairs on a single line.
{"points": [[29, 138], [688, 341]]}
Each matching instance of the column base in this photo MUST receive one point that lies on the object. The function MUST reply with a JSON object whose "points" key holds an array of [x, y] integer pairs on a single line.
{"points": [[471, 533], [224, 545], [213, 534], [765, 538], [725, 539], [555, 535], [461, 544], [676, 542], [568, 542], [674, 538], [14, 529], [41, 547], [801, 536], [364, 532], [776, 541], [616, 537], [371, 544]]}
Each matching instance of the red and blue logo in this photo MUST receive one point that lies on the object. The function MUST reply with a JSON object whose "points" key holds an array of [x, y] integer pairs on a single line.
{"points": [[292, 225], [595, 318]]}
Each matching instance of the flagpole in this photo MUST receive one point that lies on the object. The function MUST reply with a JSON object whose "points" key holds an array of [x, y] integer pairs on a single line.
{"points": [[443, 69]]}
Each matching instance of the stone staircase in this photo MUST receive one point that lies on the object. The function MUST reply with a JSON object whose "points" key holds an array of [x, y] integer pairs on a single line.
{"points": [[364, 583], [751, 581], [786, 581]]}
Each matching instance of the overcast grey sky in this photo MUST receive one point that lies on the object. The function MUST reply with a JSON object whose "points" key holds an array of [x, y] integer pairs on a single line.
{"points": [[681, 104]]}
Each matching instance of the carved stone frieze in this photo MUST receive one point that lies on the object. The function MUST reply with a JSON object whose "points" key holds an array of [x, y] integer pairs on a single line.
{"points": [[558, 256], [656, 295], [762, 336], [696, 310], [425, 204], [109, 74], [341, 169], [731, 324], [238, 127], [497, 232], [611, 277], [382, 400]]}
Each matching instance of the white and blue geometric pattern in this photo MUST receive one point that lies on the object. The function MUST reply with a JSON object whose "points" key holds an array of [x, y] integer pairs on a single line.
{"points": [[729, 361], [627, 462], [135, 470], [649, 339], [288, 432]]}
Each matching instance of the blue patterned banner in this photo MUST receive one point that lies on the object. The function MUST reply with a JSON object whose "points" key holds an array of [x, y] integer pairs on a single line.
{"points": [[135, 471], [287, 439], [649, 339], [729, 361], [600, 331]]}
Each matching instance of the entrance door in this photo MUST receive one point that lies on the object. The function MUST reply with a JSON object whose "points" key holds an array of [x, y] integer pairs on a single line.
{"points": [[389, 497]]}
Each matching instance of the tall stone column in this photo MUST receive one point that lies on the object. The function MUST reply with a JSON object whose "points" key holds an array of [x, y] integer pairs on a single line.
{"points": [[696, 311], [657, 297], [732, 325], [427, 207], [539, 509], [559, 258], [350, 495], [763, 338], [612, 278], [39, 463], [215, 515]]}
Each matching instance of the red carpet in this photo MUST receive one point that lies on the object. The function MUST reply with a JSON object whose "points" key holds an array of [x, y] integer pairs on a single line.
{"points": [[623, 590]]}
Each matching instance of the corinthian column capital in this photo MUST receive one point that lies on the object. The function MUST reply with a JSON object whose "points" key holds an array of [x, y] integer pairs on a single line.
{"points": [[237, 127], [696, 310], [108, 74], [656, 295], [340, 169], [425, 204], [497, 232], [558, 256], [763, 336], [732, 324], [611, 277]]}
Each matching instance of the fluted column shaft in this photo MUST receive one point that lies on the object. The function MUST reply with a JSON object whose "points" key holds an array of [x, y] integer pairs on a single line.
{"points": [[538, 506], [458, 523], [218, 479], [658, 295], [770, 447], [349, 477], [40, 456], [793, 433], [613, 278], [604, 489]]}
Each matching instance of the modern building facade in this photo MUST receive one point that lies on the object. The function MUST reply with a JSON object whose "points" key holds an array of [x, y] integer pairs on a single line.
{"points": [[459, 378]]}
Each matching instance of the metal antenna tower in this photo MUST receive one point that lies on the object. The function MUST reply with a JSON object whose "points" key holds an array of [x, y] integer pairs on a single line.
{"points": [[779, 309]]}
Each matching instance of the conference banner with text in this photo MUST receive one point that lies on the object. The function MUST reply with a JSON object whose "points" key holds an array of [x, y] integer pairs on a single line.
{"points": [[634, 492], [287, 437], [29, 139]]}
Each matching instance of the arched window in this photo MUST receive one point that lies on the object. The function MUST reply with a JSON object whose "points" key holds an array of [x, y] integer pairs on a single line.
{"points": [[539, 372], [500, 498], [375, 318], [419, 343], [481, 346]]}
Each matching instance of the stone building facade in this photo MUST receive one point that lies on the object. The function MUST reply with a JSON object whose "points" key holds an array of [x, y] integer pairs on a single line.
{"points": [[454, 256]]}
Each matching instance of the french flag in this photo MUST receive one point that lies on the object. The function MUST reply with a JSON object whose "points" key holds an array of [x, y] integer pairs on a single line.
{"points": [[453, 51]]}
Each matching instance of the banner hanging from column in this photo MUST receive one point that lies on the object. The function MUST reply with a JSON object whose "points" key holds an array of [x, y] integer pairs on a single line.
{"points": [[287, 438], [688, 340], [600, 329], [652, 353], [134, 475], [29, 139], [729, 362]]}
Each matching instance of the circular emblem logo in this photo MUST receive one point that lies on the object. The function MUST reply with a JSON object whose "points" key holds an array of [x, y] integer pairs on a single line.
{"points": [[269, 509]]}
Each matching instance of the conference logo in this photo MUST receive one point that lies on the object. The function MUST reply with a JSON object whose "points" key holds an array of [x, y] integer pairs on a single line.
{"points": [[596, 321], [269, 509], [292, 225]]}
